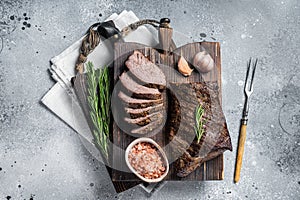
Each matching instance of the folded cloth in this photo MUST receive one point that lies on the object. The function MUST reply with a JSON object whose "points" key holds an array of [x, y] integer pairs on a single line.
{"points": [[61, 100]]}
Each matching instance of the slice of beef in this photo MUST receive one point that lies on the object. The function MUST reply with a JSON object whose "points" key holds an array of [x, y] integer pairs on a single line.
{"points": [[143, 112], [150, 128], [137, 90], [184, 99], [187, 164], [138, 103], [141, 121], [145, 71]]}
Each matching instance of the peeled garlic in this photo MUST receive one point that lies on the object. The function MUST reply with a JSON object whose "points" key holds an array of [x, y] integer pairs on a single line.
{"points": [[203, 62], [183, 67]]}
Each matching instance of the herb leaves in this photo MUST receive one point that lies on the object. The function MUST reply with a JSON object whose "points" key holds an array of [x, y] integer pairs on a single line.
{"points": [[99, 103], [199, 128]]}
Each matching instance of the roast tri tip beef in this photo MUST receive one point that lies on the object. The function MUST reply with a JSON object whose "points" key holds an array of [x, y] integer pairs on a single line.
{"points": [[138, 103], [143, 112], [141, 121], [137, 90], [145, 71], [215, 140], [152, 127]]}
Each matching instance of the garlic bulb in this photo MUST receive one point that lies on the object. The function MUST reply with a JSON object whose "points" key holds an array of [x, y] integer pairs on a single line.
{"points": [[203, 62], [183, 67]]}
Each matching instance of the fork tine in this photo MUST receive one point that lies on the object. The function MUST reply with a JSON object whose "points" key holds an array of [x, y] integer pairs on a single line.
{"points": [[253, 72], [247, 75]]}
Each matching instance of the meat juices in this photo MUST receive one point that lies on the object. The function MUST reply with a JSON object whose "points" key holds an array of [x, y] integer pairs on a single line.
{"points": [[146, 161]]}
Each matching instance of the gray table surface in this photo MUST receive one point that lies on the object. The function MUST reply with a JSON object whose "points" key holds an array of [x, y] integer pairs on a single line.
{"points": [[42, 158]]}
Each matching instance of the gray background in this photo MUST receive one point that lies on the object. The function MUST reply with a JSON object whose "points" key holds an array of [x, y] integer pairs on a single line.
{"points": [[42, 158]]}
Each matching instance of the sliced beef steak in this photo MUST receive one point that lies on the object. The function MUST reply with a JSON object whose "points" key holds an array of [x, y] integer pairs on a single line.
{"points": [[142, 95], [137, 90], [183, 102], [141, 121], [138, 103], [143, 112], [150, 128], [145, 71]]}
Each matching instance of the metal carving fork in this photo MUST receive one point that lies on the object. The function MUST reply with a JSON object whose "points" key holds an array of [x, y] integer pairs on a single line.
{"points": [[242, 136]]}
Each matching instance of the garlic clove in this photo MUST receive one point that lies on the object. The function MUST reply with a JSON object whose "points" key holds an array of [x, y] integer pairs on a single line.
{"points": [[203, 62], [183, 67]]}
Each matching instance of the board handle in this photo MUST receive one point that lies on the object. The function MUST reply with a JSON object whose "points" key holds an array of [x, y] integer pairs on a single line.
{"points": [[109, 30], [165, 33]]}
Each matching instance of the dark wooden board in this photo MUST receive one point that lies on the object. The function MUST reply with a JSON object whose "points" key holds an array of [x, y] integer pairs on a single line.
{"points": [[211, 170]]}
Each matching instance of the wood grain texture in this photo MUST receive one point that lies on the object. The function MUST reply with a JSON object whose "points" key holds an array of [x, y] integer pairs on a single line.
{"points": [[210, 170], [240, 153], [165, 38]]}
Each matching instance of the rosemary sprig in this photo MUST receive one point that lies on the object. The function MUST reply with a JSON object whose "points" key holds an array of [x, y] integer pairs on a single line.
{"points": [[99, 103], [199, 128]]}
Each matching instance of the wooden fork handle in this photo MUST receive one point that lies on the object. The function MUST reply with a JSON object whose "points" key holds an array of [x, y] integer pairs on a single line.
{"points": [[239, 159]]}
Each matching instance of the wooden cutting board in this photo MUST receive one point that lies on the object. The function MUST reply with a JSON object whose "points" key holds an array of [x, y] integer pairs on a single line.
{"points": [[211, 170]]}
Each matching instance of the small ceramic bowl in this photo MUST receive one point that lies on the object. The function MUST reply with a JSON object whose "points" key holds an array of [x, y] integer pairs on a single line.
{"points": [[162, 154]]}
